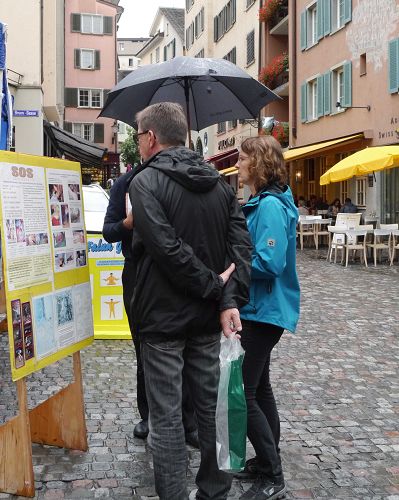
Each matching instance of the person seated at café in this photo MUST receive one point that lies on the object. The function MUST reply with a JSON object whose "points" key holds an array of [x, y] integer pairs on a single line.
{"points": [[302, 210], [348, 207], [321, 204], [334, 208], [312, 207]]}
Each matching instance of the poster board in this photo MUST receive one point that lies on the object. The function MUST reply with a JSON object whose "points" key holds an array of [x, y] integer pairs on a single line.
{"points": [[106, 266], [44, 250]]}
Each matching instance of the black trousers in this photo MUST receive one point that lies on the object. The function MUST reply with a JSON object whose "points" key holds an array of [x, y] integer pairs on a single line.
{"points": [[258, 341], [189, 420]]}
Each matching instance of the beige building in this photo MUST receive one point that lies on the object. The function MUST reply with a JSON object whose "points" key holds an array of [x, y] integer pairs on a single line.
{"points": [[344, 79], [35, 62]]}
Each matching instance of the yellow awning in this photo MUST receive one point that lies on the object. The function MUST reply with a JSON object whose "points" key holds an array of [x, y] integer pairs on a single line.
{"points": [[296, 153], [228, 171]]}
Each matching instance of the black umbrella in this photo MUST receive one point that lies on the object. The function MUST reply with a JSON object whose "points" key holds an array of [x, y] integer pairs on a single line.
{"points": [[210, 90]]}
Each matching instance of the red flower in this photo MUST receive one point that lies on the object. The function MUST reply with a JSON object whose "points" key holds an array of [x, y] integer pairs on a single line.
{"points": [[269, 8], [276, 66]]}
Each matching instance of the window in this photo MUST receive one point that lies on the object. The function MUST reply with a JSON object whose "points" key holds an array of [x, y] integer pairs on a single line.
{"points": [[121, 46], [338, 87], [363, 64], [337, 14], [224, 20], [167, 29], [250, 47], [231, 56], [199, 23], [249, 3], [312, 25], [393, 65], [201, 53], [122, 128], [312, 100], [92, 24], [221, 127], [343, 189], [84, 130], [189, 4], [90, 98], [361, 183], [157, 56], [190, 35], [231, 124], [87, 59]]}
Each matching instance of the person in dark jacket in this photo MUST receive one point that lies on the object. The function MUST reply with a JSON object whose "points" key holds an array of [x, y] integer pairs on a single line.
{"points": [[348, 207], [118, 226], [193, 253], [274, 305]]}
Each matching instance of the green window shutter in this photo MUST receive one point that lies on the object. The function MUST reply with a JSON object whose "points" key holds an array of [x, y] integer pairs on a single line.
{"points": [[108, 25], [304, 109], [347, 11], [304, 35], [75, 23], [71, 97], [77, 58], [327, 16], [393, 65], [99, 132], [320, 96], [327, 93], [215, 29], [320, 19], [347, 84], [68, 126], [97, 64]]}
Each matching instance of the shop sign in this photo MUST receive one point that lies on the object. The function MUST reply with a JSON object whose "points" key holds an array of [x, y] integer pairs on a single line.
{"points": [[226, 143], [393, 133]]}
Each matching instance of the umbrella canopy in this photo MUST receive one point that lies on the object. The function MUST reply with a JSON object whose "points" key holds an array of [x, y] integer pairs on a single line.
{"points": [[210, 91], [362, 162]]}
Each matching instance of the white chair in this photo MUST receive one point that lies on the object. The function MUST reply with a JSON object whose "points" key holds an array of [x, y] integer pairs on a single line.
{"points": [[395, 244], [322, 230], [382, 241], [306, 228], [323, 213], [336, 242], [353, 243]]}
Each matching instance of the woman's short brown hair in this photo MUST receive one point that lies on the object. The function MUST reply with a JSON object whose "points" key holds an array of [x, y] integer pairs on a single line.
{"points": [[266, 161]]}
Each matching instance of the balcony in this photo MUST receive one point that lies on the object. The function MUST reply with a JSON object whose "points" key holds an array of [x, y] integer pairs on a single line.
{"points": [[275, 74], [275, 14]]}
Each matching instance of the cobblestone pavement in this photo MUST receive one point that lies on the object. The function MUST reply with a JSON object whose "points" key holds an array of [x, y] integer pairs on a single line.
{"points": [[336, 383]]}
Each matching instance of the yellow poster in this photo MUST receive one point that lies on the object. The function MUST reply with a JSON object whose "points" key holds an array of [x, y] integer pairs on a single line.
{"points": [[106, 265], [44, 248]]}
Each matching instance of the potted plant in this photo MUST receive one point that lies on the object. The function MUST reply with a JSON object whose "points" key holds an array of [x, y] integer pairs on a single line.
{"points": [[277, 65], [281, 132], [268, 10]]}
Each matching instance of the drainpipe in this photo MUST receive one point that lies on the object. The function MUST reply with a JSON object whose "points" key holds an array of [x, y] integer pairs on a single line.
{"points": [[293, 70], [41, 42], [260, 58]]}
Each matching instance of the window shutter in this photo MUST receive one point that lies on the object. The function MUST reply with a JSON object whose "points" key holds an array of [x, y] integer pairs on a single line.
{"points": [[304, 35], [304, 112], [174, 48], [393, 65], [202, 19], [327, 93], [347, 11], [99, 132], [234, 10], [75, 22], [320, 19], [347, 84], [164, 53], [108, 25], [97, 59], [71, 97], [68, 126], [77, 58], [327, 16], [215, 29], [320, 96]]}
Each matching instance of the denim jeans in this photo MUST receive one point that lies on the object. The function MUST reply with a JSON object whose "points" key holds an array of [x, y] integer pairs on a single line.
{"points": [[258, 341], [164, 359]]}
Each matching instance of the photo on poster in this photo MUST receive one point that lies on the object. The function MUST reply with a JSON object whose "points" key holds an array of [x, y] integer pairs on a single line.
{"points": [[43, 238], [17, 334], [44, 328], [56, 193], [19, 355], [28, 342], [26, 313], [16, 311], [70, 259], [78, 236], [20, 230], [75, 215], [64, 307], [55, 215], [74, 192], [59, 239], [65, 215], [83, 310], [32, 239], [111, 278], [111, 307], [60, 261], [81, 258], [10, 230]]}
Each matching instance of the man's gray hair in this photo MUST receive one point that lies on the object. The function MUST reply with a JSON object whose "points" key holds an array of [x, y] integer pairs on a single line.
{"points": [[167, 120]]}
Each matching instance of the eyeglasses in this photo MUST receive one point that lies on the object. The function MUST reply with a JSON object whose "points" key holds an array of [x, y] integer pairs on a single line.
{"points": [[137, 135]]}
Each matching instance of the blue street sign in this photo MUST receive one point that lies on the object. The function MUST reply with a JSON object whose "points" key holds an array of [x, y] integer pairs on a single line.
{"points": [[25, 112]]}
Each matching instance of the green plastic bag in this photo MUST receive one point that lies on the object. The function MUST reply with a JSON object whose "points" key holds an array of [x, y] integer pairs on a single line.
{"points": [[231, 410]]}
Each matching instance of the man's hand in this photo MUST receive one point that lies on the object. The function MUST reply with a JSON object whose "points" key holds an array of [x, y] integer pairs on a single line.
{"points": [[230, 321], [128, 222], [227, 273]]}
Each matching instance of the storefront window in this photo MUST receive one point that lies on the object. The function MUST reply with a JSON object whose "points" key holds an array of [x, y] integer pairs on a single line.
{"points": [[390, 196]]}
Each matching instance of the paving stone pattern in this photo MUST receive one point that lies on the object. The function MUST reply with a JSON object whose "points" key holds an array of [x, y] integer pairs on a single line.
{"points": [[336, 383]]}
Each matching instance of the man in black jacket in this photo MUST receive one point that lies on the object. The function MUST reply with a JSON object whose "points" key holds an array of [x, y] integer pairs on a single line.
{"points": [[188, 229]]}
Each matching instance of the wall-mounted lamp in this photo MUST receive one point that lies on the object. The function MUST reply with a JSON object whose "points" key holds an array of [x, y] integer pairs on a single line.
{"points": [[298, 176], [338, 105]]}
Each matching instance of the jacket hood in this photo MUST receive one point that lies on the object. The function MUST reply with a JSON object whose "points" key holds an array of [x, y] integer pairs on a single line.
{"points": [[283, 193], [185, 167]]}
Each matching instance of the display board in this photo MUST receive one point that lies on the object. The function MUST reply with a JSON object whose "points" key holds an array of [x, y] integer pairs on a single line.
{"points": [[106, 266], [44, 249]]}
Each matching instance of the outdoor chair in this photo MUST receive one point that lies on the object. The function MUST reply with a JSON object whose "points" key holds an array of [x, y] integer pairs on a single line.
{"points": [[356, 239], [382, 241], [395, 244], [322, 230], [336, 242], [306, 229], [323, 213]]}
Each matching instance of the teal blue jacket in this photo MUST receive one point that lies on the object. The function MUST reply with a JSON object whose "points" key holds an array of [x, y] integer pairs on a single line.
{"points": [[274, 293]]}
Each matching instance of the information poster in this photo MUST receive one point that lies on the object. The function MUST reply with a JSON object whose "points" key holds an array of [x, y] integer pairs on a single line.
{"points": [[106, 265], [44, 249]]}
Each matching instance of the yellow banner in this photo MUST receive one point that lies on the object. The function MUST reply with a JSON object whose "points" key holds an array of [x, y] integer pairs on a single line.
{"points": [[44, 250]]}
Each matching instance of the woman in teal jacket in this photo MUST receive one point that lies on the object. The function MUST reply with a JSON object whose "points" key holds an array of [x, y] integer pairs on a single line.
{"points": [[273, 306]]}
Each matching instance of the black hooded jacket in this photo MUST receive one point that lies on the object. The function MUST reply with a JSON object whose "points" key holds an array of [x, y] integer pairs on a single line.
{"points": [[188, 228]]}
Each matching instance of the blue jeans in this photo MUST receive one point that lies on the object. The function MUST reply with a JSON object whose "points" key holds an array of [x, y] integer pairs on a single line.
{"points": [[164, 359]]}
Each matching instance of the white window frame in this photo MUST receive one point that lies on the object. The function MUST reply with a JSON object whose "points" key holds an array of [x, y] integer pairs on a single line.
{"points": [[90, 98], [343, 190], [361, 190], [337, 14], [93, 54], [92, 29], [157, 55], [311, 21], [337, 84], [312, 99], [79, 130]]}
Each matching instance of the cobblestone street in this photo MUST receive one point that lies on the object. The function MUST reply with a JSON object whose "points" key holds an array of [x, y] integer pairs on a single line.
{"points": [[336, 382]]}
